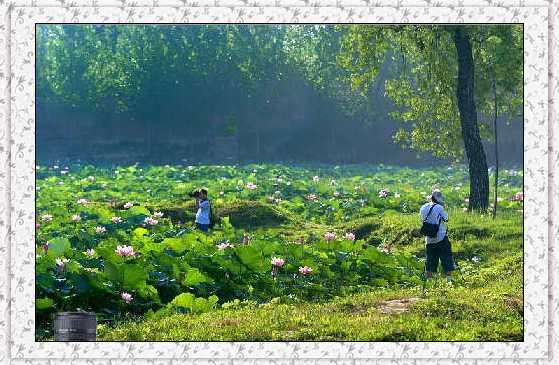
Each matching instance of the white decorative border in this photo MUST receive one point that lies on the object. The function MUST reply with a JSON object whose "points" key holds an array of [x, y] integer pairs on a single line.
{"points": [[21, 197]]}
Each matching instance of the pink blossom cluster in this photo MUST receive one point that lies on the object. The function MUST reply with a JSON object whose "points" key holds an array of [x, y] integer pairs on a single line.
{"points": [[61, 263], [329, 236], [126, 297], [46, 217], [116, 220], [150, 221], [518, 197], [224, 245], [305, 270], [312, 197], [350, 236], [277, 261], [384, 193], [251, 186]]}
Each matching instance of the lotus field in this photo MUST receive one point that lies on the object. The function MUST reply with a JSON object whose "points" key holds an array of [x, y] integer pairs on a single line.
{"points": [[338, 242]]}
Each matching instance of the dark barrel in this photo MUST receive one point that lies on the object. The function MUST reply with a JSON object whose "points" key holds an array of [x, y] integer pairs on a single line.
{"points": [[75, 326]]}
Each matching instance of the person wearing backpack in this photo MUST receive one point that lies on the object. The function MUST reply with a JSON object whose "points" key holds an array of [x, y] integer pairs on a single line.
{"points": [[437, 245], [204, 214]]}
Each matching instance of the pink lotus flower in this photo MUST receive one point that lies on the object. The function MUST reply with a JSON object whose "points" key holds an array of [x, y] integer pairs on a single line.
{"points": [[128, 205], [46, 247], [305, 270], [386, 248], [37, 225], [349, 236], [125, 251], [126, 297], [251, 186], [278, 262], [150, 221], [312, 197], [384, 193], [158, 214], [61, 263], [82, 201], [46, 217], [90, 252], [329, 236], [100, 230], [76, 218], [224, 245], [519, 197], [116, 220], [315, 179]]}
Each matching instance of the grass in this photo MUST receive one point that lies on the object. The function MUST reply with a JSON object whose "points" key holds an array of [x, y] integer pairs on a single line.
{"points": [[485, 306], [461, 314]]}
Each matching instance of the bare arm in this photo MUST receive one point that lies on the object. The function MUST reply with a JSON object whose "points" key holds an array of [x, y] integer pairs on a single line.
{"points": [[444, 214]]}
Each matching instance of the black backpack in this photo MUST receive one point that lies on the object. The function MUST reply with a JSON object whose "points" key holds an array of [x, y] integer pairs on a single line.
{"points": [[430, 229]]}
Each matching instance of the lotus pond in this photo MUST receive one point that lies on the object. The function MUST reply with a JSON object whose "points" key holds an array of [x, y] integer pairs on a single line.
{"points": [[119, 241]]}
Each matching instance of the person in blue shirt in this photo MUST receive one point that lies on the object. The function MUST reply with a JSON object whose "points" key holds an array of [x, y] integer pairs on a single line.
{"points": [[438, 247], [203, 215]]}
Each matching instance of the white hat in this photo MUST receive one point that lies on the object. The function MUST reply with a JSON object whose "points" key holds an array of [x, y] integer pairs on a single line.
{"points": [[438, 196]]}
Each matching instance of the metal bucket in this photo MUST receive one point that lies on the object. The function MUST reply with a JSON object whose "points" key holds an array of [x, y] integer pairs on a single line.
{"points": [[75, 326]]}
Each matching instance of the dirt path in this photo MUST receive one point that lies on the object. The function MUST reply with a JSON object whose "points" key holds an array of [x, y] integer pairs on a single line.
{"points": [[397, 306]]}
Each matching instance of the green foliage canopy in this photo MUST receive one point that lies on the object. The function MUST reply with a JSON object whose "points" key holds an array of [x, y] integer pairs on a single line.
{"points": [[425, 62]]}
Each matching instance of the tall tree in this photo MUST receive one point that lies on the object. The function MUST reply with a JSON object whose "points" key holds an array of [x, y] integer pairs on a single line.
{"points": [[436, 86], [477, 163]]}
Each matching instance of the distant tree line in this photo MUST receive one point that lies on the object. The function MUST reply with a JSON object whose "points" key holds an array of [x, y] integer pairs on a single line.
{"points": [[443, 82]]}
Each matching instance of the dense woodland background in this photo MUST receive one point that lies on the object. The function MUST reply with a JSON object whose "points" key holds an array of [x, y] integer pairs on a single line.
{"points": [[228, 94]]}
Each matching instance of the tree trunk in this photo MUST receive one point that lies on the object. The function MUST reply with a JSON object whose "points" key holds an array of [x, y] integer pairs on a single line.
{"points": [[477, 163], [496, 140]]}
